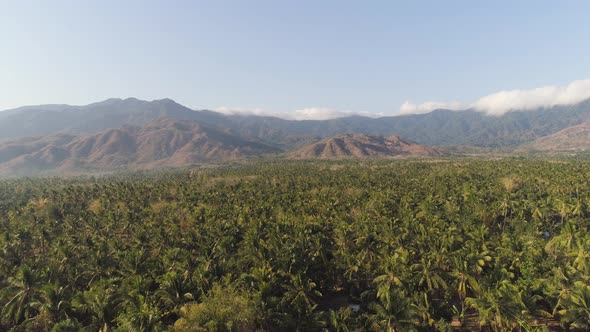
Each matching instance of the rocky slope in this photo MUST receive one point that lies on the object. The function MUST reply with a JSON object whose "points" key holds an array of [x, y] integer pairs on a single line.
{"points": [[363, 146], [575, 138], [162, 142]]}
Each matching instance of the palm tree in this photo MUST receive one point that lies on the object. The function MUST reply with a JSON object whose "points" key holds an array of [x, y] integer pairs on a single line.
{"points": [[175, 290], [398, 313], [337, 320], [465, 284], [391, 278], [55, 302], [574, 306], [429, 275], [140, 313], [300, 297], [101, 303], [501, 309], [21, 296]]}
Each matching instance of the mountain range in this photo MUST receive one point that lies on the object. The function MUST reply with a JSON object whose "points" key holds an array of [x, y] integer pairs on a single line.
{"points": [[144, 134], [440, 127]]}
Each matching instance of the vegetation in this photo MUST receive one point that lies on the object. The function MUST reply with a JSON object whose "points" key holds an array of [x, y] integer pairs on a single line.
{"points": [[496, 245]]}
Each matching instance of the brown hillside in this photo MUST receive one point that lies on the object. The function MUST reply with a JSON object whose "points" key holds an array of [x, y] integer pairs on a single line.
{"points": [[575, 138], [163, 142], [363, 146]]}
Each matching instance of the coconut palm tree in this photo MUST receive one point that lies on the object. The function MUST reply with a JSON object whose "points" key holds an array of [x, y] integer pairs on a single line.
{"points": [[574, 306], [100, 304], [21, 296], [500, 309]]}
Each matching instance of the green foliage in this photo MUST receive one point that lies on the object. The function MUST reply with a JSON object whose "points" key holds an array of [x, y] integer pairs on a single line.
{"points": [[67, 325], [308, 246], [501, 309], [574, 306], [222, 309]]}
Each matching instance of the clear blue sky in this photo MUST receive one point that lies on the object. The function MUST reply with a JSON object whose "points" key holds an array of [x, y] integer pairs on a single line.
{"points": [[362, 56]]}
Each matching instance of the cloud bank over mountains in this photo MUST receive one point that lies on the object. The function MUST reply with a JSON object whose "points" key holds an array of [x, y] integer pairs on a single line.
{"points": [[505, 101], [311, 113], [493, 104]]}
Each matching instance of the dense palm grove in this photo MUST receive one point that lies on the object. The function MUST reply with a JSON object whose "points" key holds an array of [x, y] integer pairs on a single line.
{"points": [[340, 246]]}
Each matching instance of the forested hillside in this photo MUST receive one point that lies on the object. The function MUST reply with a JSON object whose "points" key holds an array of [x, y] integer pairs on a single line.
{"points": [[307, 246]]}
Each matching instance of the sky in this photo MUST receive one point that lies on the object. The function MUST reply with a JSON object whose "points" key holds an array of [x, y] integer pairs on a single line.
{"points": [[298, 59]]}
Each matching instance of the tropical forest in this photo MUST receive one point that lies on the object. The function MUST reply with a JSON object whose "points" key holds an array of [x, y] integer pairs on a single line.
{"points": [[450, 244]]}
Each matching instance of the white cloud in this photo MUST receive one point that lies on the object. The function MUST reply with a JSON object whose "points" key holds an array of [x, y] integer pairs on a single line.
{"points": [[241, 111], [409, 108], [505, 101], [312, 113], [318, 113]]}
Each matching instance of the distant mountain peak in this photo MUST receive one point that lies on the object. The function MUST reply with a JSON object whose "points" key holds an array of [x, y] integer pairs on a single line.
{"points": [[165, 101]]}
